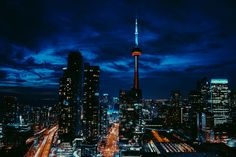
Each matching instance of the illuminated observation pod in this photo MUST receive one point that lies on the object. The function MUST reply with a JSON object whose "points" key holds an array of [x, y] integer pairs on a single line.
{"points": [[136, 52]]}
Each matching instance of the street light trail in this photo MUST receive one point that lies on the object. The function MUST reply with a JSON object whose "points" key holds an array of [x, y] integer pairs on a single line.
{"points": [[111, 145], [44, 147], [48, 144]]}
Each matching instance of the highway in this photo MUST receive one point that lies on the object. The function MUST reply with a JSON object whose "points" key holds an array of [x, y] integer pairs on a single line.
{"points": [[48, 143], [44, 145], [111, 144]]}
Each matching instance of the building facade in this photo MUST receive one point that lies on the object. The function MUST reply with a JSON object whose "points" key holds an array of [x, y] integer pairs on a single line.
{"points": [[10, 110], [70, 93], [219, 101], [90, 112]]}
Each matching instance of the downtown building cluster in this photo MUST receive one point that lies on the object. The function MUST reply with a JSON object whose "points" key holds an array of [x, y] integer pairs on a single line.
{"points": [[82, 118], [205, 118], [150, 127], [87, 121], [19, 122]]}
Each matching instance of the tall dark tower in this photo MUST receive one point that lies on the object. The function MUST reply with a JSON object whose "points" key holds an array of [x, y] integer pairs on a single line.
{"points": [[70, 93], [136, 52], [10, 109], [130, 107], [90, 112]]}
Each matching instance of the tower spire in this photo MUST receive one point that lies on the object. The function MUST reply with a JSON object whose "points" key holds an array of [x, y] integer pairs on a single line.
{"points": [[136, 32]]}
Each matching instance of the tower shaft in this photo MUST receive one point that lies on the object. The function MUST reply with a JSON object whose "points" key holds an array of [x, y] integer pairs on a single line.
{"points": [[136, 73], [136, 53]]}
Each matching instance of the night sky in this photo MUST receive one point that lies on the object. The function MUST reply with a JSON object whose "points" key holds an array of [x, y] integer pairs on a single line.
{"points": [[182, 41]]}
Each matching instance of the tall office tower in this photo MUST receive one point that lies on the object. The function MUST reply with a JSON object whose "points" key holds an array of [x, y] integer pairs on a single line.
{"points": [[24, 113], [126, 112], [196, 115], [220, 100], [1, 136], [233, 106], [175, 116], [106, 99], [91, 103], [201, 118], [194, 100], [70, 92], [103, 114], [10, 110], [233, 99], [175, 98], [203, 87]]}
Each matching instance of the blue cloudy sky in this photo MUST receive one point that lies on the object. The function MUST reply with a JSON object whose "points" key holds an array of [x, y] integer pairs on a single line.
{"points": [[182, 41]]}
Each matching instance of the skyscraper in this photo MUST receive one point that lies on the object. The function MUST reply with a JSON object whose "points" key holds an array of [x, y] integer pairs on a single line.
{"points": [[233, 106], [10, 110], [127, 116], [90, 114], [103, 114], [1, 136], [203, 87], [70, 93], [220, 100], [174, 117]]}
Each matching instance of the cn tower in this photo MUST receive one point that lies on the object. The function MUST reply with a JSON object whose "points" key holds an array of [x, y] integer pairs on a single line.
{"points": [[136, 52]]}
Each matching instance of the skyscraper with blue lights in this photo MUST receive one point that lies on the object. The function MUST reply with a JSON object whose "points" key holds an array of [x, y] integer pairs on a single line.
{"points": [[220, 100]]}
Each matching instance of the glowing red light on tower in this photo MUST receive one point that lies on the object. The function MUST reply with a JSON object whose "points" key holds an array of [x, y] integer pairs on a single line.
{"points": [[136, 53]]}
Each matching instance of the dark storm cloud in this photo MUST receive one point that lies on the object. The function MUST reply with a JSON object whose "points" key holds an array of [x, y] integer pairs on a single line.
{"points": [[3, 74], [21, 22], [222, 66]]}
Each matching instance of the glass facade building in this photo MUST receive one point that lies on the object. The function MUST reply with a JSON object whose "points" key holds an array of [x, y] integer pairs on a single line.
{"points": [[220, 100]]}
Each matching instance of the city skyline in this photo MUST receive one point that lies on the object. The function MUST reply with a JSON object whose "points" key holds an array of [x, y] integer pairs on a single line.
{"points": [[182, 42]]}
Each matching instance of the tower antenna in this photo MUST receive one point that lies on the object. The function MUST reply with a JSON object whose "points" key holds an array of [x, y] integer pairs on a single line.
{"points": [[136, 32]]}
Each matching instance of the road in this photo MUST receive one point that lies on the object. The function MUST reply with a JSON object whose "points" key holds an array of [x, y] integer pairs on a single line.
{"points": [[111, 143], [44, 145], [48, 143]]}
